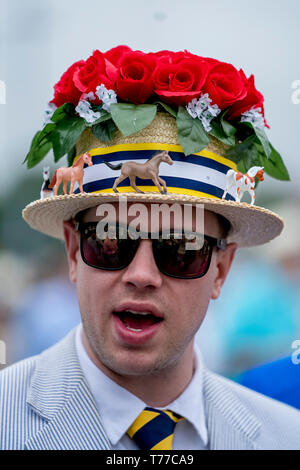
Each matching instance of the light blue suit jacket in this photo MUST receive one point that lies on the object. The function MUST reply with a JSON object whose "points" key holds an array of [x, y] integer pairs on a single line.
{"points": [[45, 403]]}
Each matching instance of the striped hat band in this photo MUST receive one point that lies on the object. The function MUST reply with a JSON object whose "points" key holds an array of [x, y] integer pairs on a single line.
{"points": [[201, 174]]}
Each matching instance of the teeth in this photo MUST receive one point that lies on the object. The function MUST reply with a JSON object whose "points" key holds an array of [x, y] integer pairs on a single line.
{"points": [[139, 313], [133, 329]]}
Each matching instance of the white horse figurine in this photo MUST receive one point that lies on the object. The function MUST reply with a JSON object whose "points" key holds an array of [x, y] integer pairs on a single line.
{"points": [[238, 183], [45, 190]]}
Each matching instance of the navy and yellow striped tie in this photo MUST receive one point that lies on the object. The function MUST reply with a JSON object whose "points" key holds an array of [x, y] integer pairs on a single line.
{"points": [[154, 429]]}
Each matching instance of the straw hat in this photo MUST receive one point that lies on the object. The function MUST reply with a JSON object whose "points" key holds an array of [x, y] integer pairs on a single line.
{"points": [[196, 178]]}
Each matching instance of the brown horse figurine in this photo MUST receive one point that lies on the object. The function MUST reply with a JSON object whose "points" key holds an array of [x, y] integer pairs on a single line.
{"points": [[147, 170], [72, 174]]}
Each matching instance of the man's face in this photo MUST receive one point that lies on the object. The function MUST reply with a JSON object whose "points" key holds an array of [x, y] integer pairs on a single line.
{"points": [[147, 346]]}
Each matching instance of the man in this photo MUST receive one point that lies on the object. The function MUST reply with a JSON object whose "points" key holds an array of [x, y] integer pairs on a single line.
{"points": [[131, 377]]}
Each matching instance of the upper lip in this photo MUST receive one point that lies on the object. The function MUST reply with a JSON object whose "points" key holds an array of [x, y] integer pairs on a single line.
{"points": [[139, 307]]}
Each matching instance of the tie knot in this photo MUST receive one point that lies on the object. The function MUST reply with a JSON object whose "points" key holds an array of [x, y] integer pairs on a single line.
{"points": [[154, 429]]}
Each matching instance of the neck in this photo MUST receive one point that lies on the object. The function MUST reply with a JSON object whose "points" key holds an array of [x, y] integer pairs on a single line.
{"points": [[79, 163], [156, 161], [155, 390]]}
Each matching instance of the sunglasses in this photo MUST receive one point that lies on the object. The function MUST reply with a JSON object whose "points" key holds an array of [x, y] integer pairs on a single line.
{"points": [[171, 254]]}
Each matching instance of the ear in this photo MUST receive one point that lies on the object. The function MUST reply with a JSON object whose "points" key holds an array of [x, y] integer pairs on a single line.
{"points": [[223, 263], [72, 249]]}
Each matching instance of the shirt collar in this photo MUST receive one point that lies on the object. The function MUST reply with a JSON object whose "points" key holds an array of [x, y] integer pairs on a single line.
{"points": [[118, 407]]}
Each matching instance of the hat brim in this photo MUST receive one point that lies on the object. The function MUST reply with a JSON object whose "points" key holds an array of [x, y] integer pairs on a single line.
{"points": [[250, 225]]}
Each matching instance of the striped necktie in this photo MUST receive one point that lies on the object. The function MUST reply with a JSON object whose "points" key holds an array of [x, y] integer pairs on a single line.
{"points": [[154, 429]]}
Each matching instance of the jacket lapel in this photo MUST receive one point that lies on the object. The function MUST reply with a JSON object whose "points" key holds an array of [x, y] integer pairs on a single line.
{"points": [[60, 394], [231, 426]]}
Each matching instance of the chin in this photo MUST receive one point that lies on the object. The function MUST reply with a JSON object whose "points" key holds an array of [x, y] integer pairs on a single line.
{"points": [[134, 366]]}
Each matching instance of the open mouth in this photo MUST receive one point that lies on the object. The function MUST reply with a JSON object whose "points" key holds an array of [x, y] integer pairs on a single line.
{"points": [[137, 321]]}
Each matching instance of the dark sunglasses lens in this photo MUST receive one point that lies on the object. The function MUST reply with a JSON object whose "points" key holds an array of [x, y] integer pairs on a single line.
{"points": [[174, 259], [108, 253]]}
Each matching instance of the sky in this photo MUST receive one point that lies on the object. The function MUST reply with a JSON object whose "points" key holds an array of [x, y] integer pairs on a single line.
{"points": [[40, 40]]}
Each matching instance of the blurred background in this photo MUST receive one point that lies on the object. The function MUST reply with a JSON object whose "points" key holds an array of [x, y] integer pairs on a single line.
{"points": [[256, 318]]}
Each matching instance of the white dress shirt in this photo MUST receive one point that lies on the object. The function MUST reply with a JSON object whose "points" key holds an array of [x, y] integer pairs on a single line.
{"points": [[118, 407]]}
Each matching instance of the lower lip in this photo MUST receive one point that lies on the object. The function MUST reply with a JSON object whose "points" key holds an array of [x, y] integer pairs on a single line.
{"points": [[135, 337]]}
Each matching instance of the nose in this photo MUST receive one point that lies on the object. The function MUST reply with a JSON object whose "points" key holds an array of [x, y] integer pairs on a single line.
{"points": [[142, 271]]}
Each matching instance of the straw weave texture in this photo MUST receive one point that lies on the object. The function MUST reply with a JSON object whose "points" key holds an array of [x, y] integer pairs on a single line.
{"points": [[162, 130], [251, 225]]}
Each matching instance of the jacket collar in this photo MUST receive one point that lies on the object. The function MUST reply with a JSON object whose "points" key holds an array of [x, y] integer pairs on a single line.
{"points": [[60, 394], [231, 425]]}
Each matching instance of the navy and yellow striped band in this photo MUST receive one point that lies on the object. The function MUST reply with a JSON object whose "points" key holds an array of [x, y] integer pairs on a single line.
{"points": [[200, 174]]}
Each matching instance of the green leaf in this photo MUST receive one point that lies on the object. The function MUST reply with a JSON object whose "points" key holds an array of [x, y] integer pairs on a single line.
{"points": [[168, 108], [130, 118], [67, 109], [241, 167], [275, 167], [45, 132], [37, 154], [191, 133], [71, 155], [252, 153], [66, 134], [229, 129], [218, 132], [245, 150], [261, 135], [38, 145], [223, 130], [247, 154], [34, 143], [104, 117], [105, 131]]}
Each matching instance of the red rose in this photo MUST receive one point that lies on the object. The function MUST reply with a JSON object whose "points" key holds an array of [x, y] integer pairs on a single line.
{"points": [[116, 54], [253, 98], [94, 72], [170, 57], [225, 85], [134, 80], [65, 91], [181, 79]]}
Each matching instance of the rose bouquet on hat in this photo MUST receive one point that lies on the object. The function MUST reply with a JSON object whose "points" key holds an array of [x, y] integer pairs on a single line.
{"points": [[123, 90]]}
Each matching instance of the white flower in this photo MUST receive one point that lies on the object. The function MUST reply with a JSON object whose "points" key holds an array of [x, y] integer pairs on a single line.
{"points": [[89, 96], [192, 108], [49, 111], [254, 115], [206, 122], [107, 97], [85, 111], [202, 110]]}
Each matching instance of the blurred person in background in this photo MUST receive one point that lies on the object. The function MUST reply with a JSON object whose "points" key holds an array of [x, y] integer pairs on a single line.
{"points": [[256, 317], [46, 311], [38, 301], [280, 379], [15, 277]]}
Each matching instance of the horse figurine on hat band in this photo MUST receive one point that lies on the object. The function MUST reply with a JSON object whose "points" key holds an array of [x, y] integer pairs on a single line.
{"points": [[72, 174], [45, 190], [147, 170], [239, 183]]}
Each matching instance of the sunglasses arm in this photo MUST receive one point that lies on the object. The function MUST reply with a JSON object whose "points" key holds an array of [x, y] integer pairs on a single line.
{"points": [[221, 244]]}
